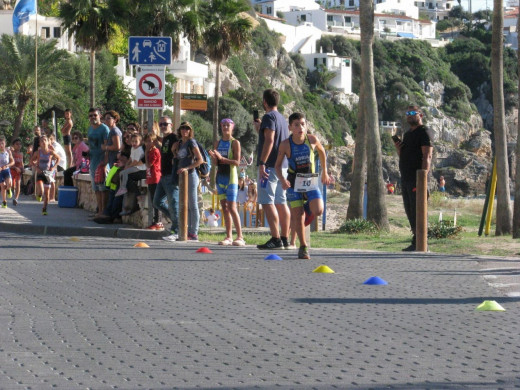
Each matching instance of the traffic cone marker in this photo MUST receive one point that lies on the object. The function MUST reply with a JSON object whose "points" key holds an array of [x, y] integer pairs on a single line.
{"points": [[141, 245], [376, 281], [273, 257], [203, 250], [489, 306], [323, 269]]}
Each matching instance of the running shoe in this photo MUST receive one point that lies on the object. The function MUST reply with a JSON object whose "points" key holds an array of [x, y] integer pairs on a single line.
{"points": [[309, 216], [44, 211], [9, 193], [193, 237], [39, 198], [171, 237], [273, 243], [4, 204], [285, 243], [303, 253], [15, 202]]}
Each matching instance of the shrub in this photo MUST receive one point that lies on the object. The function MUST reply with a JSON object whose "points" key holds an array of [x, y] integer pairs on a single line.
{"points": [[438, 199], [358, 226], [443, 229]]}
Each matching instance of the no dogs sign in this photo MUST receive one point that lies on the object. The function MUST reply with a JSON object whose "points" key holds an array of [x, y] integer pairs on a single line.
{"points": [[150, 87]]}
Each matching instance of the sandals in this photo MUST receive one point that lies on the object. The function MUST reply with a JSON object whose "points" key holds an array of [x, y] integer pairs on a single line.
{"points": [[239, 242], [226, 242]]}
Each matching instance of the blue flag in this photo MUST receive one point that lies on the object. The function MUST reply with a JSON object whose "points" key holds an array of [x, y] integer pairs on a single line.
{"points": [[21, 13]]}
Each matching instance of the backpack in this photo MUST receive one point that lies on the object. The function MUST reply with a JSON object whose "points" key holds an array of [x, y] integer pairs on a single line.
{"points": [[204, 168]]}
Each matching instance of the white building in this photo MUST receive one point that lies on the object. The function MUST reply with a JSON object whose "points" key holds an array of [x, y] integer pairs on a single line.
{"points": [[436, 9], [191, 76], [302, 39], [272, 7], [348, 22], [48, 28]]}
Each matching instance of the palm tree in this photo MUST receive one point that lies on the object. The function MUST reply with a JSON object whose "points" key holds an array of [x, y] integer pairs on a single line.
{"points": [[504, 215], [18, 77], [91, 23], [359, 165], [226, 29], [376, 207], [516, 209], [172, 18]]}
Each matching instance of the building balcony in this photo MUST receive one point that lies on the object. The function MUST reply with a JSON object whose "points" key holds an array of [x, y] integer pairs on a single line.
{"points": [[189, 69]]}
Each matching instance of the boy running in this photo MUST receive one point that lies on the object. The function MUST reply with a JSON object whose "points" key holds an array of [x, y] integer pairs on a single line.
{"points": [[302, 183]]}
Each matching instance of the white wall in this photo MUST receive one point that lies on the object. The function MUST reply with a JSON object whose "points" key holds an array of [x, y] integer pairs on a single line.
{"points": [[398, 7], [317, 17], [300, 38]]}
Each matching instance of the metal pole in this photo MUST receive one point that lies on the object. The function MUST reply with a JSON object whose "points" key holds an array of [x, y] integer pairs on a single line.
{"points": [[36, 70], [421, 202], [183, 206]]}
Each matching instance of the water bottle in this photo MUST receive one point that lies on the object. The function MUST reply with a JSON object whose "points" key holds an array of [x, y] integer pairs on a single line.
{"points": [[263, 182]]}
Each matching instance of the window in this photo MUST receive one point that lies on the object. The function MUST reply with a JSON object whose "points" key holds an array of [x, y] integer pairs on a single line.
{"points": [[324, 61], [330, 18], [46, 32], [447, 5], [57, 32], [351, 3], [315, 62], [269, 10], [303, 18], [348, 19]]}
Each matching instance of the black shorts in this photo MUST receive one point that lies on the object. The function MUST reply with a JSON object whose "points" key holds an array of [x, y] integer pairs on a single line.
{"points": [[67, 139]]}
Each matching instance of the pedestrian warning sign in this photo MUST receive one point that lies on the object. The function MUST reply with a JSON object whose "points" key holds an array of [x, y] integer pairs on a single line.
{"points": [[150, 50], [150, 87]]}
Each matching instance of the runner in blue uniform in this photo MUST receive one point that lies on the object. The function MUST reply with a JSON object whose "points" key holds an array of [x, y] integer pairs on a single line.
{"points": [[302, 191]]}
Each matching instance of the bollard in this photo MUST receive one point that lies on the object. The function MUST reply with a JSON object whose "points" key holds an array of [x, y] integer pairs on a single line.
{"points": [[421, 204], [183, 206]]}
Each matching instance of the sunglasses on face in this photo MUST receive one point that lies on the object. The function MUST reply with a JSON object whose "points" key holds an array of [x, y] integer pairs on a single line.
{"points": [[92, 115], [164, 123], [411, 113]]}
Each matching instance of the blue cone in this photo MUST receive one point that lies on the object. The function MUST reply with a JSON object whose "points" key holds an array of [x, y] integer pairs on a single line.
{"points": [[376, 280], [273, 257]]}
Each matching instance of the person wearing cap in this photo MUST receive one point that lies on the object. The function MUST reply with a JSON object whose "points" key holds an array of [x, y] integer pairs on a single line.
{"points": [[226, 156], [187, 157], [415, 152]]}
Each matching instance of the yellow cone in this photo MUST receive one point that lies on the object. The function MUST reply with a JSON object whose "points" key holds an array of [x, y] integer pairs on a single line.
{"points": [[489, 306], [323, 269], [75, 239], [141, 245]]}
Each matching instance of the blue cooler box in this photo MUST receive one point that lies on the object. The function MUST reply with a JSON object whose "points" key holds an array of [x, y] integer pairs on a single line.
{"points": [[67, 196]]}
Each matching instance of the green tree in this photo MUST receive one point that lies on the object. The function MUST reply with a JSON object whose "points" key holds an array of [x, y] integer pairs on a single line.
{"points": [[227, 29], [18, 72], [92, 24]]}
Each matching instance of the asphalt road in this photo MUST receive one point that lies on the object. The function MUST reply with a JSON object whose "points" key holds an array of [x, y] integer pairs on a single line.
{"points": [[97, 313]]}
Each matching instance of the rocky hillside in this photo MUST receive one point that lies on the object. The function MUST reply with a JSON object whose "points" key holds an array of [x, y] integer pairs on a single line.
{"points": [[462, 152]]}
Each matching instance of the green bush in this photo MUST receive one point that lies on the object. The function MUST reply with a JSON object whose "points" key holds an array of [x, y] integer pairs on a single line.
{"points": [[443, 229], [358, 226]]}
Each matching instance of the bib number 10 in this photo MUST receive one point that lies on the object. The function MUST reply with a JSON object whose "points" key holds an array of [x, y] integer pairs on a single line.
{"points": [[306, 182]]}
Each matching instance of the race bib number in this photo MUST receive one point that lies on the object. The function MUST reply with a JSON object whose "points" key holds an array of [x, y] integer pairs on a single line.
{"points": [[306, 182]]}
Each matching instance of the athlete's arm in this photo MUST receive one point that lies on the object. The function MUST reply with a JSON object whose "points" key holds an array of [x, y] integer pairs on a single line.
{"points": [[325, 179]]}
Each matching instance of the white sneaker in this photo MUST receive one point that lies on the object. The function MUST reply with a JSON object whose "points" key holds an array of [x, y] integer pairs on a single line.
{"points": [[171, 237]]}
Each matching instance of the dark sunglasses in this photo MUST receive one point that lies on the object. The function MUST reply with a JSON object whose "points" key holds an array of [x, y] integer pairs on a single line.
{"points": [[185, 128], [92, 115], [164, 123], [411, 113]]}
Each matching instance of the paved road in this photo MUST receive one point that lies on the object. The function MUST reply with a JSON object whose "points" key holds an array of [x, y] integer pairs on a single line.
{"points": [[98, 313]]}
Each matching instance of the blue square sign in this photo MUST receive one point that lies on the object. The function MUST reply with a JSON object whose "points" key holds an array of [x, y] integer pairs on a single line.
{"points": [[149, 50]]}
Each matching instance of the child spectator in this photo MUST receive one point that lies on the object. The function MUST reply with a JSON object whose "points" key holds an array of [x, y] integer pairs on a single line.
{"points": [[17, 168], [212, 218], [242, 191], [78, 149], [153, 175], [6, 161], [135, 163]]}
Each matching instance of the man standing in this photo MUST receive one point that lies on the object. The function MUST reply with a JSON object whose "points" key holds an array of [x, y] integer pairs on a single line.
{"points": [[415, 152], [65, 132], [166, 198], [272, 130], [97, 138]]}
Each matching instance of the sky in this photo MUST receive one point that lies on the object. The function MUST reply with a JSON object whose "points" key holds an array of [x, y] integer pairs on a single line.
{"points": [[478, 5]]}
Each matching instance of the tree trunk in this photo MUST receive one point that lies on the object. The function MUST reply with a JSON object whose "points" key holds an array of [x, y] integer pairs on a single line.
{"points": [[504, 216], [376, 206], [355, 204], [92, 78], [20, 109], [516, 210], [213, 172]]}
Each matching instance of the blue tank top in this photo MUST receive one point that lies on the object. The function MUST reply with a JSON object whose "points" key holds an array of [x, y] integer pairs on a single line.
{"points": [[302, 157], [224, 148]]}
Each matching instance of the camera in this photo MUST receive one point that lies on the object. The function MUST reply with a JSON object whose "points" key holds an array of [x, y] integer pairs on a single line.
{"points": [[396, 139]]}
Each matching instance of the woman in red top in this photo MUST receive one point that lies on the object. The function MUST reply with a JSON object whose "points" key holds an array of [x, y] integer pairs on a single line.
{"points": [[153, 175]]}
